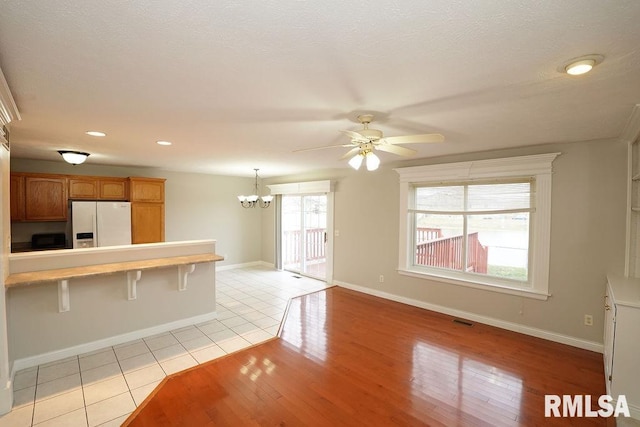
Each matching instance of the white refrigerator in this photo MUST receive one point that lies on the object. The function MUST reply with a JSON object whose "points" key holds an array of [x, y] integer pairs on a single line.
{"points": [[100, 224]]}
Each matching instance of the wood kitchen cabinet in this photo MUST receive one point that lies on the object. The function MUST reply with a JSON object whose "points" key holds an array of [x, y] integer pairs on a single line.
{"points": [[147, 222], [97, 188], [147, 209], [83, 188], [113, 189], [147, 190], [45, 198], [16, 196]]}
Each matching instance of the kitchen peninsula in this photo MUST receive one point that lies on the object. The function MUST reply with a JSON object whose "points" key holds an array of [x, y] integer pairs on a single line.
{"points": [[62, 303]]}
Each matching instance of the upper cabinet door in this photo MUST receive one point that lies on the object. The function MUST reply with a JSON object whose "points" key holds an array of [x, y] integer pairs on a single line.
{"points": [[45, 198], [83, 188], [97, 188], [113, 189], [16, 195], [150, 190]]}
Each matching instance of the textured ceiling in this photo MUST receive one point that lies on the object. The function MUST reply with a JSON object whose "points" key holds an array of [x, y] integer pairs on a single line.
{"points": [[237, 85]]}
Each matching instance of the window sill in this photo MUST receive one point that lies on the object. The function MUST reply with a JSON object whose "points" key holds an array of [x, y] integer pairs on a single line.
{"points": [[527, 293]]}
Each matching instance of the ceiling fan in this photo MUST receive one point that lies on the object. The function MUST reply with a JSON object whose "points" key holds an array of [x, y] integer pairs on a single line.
{"points": [[366, 140]]}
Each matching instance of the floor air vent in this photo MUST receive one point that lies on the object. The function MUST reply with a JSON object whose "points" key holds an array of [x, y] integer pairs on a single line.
{"points": [[462, 322]]}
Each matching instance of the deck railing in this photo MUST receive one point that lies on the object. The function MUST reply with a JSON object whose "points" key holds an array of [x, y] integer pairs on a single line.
{"points": [[447, 252], [425, 233], [432, 249], [314, 245]]}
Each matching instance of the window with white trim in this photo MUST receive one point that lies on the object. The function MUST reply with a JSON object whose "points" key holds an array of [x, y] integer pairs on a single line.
{"points": [[482, 224]]}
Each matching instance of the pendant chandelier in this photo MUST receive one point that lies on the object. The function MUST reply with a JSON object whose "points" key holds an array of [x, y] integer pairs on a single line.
{"points": [[255, 200]]}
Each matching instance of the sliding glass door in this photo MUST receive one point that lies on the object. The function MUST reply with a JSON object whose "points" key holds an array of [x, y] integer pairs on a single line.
{"points": [[304, 234]]}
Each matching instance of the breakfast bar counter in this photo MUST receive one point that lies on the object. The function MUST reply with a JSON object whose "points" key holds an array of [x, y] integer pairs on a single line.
{"points": [[67, 302], [23, 279]]}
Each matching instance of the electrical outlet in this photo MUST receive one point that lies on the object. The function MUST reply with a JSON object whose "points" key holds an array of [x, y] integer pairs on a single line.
{"points": [[588, 320], [381, 278]]}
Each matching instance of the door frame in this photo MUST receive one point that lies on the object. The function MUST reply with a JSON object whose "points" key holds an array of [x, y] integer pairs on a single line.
{"points": [[301, 189]]}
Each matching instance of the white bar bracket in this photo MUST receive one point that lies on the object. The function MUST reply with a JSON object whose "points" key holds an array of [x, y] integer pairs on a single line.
{"points": [[132, 281], [183, 273], [63, 296]]}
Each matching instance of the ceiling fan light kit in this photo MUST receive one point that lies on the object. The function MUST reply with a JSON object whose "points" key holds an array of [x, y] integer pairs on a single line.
{"points": [[373, 161], [356, 161], [255, 200], [366, 140]]}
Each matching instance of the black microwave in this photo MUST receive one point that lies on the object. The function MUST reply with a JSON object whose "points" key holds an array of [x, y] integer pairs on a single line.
{"points": [[48, 241]]}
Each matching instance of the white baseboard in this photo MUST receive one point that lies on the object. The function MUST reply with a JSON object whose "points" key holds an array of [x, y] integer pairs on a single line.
{"points": [[510, 326], [6, 397], [52, 356], [243, 265], [634, 411]]}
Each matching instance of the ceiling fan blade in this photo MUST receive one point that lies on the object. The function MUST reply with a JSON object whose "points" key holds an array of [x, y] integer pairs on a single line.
{"points": [[394, 149], [415, 139], [350, 153], [321, 148], [355, 135]]}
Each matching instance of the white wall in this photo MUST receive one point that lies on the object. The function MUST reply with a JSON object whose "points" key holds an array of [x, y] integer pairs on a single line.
{"points": [[100, 309], [6, 388], [197, 206], [588, 238]]}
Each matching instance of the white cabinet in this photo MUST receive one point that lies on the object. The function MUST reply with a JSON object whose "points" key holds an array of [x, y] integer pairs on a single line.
{"points": [[621, 341]]}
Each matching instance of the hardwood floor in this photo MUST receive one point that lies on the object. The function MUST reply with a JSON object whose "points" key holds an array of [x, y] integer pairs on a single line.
{"points": [[348, 359]]}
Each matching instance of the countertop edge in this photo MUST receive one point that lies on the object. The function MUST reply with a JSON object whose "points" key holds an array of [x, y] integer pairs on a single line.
{"points": [[626, 290], [55, 275]]}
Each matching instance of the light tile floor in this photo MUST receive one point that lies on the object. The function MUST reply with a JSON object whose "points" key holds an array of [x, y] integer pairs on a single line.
{"points": [[103, 387]]}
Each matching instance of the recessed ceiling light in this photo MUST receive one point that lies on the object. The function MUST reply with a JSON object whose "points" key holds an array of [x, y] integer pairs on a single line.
{"points": [[95, 133], [163, 142], [582, 65]]}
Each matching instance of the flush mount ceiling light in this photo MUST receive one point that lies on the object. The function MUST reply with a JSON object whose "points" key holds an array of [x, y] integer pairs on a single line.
{"points": [[95, 133], [163, 142], [73, 157], [581, 65], [255, 200]]}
